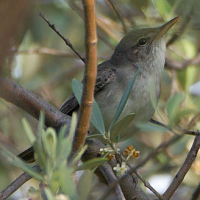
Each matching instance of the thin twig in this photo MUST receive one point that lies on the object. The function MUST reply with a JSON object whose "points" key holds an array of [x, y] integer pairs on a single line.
{"points": [[196, 193], [119, 16], [90, 75], [67, 42], [23, 178], [51, 52], [182, 65], [173, 130], [156, 151], [184, 168]]}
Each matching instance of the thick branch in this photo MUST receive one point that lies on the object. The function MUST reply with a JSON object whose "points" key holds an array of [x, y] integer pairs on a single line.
{"points": [[184, 168], [90, 75], [31, 103]]}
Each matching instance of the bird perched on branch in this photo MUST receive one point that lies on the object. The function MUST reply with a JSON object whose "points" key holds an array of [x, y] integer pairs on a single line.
{"points": [[144, 49]]}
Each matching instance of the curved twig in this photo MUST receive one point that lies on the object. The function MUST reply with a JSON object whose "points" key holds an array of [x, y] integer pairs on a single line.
{"points": [[184, 168], [67, 42]]}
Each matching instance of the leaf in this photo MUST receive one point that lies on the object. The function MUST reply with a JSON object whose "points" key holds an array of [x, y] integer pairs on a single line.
{"points": [[173, 106], [124, 99], [41, 123], [14, 160], [39, 152], [149, 127], [96, 116], [94, 136], [63, 176], [90, 164], [85, 179], [28, 131], [121, 125], [49, 139], [78, 156]]}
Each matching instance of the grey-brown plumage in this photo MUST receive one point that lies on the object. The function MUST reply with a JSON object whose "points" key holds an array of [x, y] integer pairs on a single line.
{"points": [[143, 48]]}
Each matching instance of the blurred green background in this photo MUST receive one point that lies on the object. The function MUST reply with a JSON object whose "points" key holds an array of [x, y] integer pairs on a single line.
{"points": [[33, 56]]}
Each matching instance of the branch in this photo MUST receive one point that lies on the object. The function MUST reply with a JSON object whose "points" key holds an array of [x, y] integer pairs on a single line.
{"points": [[67, 42], [110, 177], [182, 65], [23, 178], [119, 16], [31, 103], [175, 130], [90, 75], [184, 168]]}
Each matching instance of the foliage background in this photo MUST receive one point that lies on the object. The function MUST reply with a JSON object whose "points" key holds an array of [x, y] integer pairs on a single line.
{"points": [[49, 76]]}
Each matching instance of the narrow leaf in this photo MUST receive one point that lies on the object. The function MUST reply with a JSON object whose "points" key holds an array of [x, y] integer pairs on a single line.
{"points": [[90, 164], [14, 160], [124, 99], [28, 131], [96, 116], [121, 125], [85, 179], [173, 106]]}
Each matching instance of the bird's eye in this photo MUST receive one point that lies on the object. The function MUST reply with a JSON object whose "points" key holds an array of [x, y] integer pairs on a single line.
{"points": [[142, 42]]}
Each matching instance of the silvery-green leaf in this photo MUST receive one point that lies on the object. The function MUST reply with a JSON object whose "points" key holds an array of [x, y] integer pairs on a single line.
{"points": [[41, 123], [96, 116], [124, 99], [28, 131], [50, 142], [85, 180], [173, 105], [14, 160], [90, 164], [120, 126]]}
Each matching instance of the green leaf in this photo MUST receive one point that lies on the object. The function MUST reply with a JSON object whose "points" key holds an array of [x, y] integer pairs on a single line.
{"points": [[41, 123], [173, 106], [121, 125], [48, 194], [149, 127], [49, 139], [96, 117], [39, 152], [28, 131], [78, 156], [94, 136], [14, 160], [85, 180], [63, 176], [124, 99], [90, 164]]}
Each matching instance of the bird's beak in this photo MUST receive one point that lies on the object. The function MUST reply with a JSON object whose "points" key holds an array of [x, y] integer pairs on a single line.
{"points": [[164, 28]]}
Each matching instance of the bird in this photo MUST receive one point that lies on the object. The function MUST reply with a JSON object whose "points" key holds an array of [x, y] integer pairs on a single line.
{"points": [[142, 49]]}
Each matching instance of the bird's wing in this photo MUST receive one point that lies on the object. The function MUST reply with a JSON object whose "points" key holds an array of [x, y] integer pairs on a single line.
{"points": [[105, 74]]}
